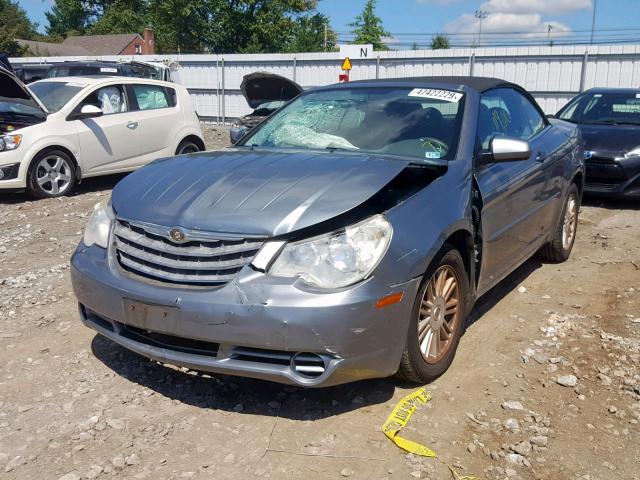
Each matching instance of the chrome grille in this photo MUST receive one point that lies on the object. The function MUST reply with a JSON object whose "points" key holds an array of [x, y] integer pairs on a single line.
{"points": [[202, 261]]}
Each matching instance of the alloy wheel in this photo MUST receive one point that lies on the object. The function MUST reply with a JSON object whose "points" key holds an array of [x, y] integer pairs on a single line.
{"points": [[569, 222], [53, 174], [439, 314]]}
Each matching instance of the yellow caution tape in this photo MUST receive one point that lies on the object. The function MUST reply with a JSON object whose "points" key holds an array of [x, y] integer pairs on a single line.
{"points": [[399, 418]]}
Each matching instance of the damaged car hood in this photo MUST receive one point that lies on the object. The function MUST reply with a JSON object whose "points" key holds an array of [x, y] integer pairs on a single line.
{"points": [[263, 87], [259, 192], [13, 91]]}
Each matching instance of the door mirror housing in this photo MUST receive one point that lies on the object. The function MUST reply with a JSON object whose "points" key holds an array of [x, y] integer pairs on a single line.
{"points": [[505, 149], [86, 111], [237, 134]]}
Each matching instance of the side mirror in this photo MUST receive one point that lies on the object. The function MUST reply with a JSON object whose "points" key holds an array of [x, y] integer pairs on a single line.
{"points": [[87, 111], [506, 149], [237, 134]]}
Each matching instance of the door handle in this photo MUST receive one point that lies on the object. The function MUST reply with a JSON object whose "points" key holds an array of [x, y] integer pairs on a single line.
{"points": [[132, 125], [541, 157]]}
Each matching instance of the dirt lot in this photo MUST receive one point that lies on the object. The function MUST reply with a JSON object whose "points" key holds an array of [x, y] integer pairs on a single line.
{"points": [[74, 405]]}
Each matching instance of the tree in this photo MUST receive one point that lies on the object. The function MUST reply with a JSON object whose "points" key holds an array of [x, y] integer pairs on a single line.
{"points": [[67, 17], [14, 25], [440, 42], [120, 16], [309, 35], [219, 26], [368, 27]]}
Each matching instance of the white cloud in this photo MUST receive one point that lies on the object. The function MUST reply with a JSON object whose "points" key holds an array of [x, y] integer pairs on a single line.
{"points": [[547, 7], [390, 40], [529, 25]]}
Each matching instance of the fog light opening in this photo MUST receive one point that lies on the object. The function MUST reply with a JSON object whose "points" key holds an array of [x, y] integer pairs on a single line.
{"points": [[308, 365]]}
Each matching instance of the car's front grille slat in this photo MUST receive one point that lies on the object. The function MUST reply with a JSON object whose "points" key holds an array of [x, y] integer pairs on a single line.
{"points": [[196, 263], [205, 261], [150, 240]]}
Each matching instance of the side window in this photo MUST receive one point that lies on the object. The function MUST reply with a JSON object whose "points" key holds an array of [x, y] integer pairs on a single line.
{"points": [[506, 112], [110, 100], [173, 98], [150, 97]]}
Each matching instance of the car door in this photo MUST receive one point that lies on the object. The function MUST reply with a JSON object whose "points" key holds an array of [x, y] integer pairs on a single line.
{"points": [[157, 117], [514, 194], [107, 143]]}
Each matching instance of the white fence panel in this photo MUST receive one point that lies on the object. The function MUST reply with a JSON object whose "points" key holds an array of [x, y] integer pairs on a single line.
{"points": [[552, 74]]}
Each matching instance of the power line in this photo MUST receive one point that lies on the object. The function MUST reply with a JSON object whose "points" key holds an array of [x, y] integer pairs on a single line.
{"points": [[452, 34]]}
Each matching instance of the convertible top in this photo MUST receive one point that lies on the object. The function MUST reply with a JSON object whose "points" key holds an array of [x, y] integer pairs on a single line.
{"points": [[481, 84]]}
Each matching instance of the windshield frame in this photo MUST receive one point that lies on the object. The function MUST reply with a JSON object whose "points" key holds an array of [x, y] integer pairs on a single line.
{"points": [[460, 145]]}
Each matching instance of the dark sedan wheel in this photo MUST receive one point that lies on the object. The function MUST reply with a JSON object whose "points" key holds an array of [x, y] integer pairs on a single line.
{"points": [[187, 146], [52, 174], [438, 319], [564, 235]]}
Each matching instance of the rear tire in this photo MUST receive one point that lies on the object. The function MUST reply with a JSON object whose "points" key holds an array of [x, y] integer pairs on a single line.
{"points": [[437, 319], [52, 174], [187, 146], [559, 247]]}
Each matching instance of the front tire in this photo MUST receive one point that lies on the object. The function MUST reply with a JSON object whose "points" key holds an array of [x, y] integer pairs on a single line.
{"points": [[438, 318], [51, 174], [559, 247]]}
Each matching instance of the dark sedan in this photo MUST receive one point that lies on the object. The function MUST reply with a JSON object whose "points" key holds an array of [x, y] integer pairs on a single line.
{"points": [[609, 119], [346, 237]]}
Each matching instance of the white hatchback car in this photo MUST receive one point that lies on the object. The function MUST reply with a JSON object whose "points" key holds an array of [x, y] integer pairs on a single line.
{"points": [[60, 130]]}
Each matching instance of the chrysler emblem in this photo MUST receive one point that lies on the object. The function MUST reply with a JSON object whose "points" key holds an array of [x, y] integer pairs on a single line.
{"points": [[177, 235]]}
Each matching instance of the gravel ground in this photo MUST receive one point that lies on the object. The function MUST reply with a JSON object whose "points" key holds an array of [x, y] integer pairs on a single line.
{"points": [[546, 383]]}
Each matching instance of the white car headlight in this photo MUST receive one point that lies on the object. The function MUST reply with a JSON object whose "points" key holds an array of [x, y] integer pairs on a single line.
{"points": [[99, 225], [633, 153], [338, 259], [10, 142]]}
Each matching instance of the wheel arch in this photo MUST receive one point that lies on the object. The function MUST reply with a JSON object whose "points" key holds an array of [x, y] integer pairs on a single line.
{"points": [[578, 179], [462, 241], [192, 138]]}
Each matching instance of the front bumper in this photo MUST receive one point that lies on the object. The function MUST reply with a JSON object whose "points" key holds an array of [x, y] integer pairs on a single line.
{"points": [[12, 162], [255, 326], [619, 177]]}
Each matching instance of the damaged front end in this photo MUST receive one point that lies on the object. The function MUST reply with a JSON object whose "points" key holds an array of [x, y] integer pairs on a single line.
{"points": [[263, 321], [19, 108]]}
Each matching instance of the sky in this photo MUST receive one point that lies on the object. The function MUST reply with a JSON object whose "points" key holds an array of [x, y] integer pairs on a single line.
{"points": [[418, 20]]}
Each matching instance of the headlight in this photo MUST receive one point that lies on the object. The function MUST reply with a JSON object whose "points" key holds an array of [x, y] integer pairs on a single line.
{"points": [[339, 259], [99, 225], [10, 142], [633, 153]]}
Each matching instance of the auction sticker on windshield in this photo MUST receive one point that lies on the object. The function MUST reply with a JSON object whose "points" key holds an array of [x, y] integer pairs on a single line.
{"points": [[435, 94]]}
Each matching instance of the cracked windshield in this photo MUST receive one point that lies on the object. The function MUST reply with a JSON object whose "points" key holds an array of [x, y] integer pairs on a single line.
{"points": [[418, 123]]}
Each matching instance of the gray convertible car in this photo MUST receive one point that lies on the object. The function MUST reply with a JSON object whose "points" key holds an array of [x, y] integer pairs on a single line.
{"points": [[346, 237]]}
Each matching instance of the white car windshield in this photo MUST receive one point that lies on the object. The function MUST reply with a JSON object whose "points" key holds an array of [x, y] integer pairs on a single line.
{"points": [[55, 95], [423, 123]]}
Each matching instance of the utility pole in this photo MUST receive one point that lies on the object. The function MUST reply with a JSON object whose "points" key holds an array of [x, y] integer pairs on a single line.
{"points": [[480, 15], [593, 20]]}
